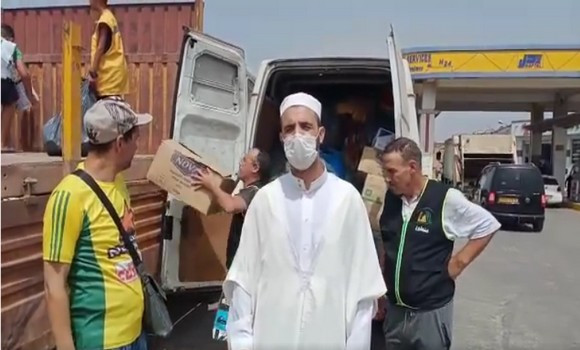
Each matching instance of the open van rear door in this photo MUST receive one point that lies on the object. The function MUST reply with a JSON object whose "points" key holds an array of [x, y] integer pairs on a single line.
{"points": [[403, 96], [210, 113]]}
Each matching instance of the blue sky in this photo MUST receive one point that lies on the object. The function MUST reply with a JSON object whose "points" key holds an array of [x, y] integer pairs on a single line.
{"points": [[271, 29], [274, 28]]}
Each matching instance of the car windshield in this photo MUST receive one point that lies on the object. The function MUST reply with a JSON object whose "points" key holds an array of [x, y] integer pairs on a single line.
{"points": [[518, 179], [550, 181]]}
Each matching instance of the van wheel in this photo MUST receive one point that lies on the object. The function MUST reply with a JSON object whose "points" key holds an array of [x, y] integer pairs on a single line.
{"points": [[538, 225]]}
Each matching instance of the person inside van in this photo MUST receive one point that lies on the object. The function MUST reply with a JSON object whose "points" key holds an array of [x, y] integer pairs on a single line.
{"points": [[254, 172], [382, 119], [11, 63]]}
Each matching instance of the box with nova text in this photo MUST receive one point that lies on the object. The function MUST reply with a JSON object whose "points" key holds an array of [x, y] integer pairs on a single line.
{"points": [[370, 162], [172, 169], [373, 195]]}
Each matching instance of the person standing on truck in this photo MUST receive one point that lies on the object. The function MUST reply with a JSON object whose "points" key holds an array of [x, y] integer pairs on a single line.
{"points": [[12, 63], [93, 292], [254, 172], [419, 224], [108, 74], [24, 104], [306, 274]]}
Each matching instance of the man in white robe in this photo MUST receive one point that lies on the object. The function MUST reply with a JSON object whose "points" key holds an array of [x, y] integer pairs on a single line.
{"points": [[306, 274]]}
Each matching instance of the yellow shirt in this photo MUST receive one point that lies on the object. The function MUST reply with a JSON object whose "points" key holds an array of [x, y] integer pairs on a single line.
{"points": [[105, 292], [112, 70]]}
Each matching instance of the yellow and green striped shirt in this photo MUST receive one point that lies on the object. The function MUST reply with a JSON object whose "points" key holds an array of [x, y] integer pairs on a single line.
{"points": [[106, 297]]}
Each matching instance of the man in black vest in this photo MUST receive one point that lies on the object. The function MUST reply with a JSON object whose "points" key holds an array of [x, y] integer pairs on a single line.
{"points": [[420, 221]]}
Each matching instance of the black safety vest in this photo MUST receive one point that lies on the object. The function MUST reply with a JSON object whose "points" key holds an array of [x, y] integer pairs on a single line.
{"points": [[417, 251]]}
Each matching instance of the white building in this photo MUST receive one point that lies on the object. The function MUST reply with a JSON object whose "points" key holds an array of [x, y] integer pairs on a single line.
{"points": [[523, 137]]}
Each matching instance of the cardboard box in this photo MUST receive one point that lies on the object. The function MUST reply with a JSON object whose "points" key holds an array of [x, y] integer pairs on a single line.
{"points": [[373, 194], [370, 163], [172, 169]]}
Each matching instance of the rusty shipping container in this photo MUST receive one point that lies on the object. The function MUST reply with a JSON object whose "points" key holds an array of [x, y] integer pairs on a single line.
{"points": [[152, 32]]}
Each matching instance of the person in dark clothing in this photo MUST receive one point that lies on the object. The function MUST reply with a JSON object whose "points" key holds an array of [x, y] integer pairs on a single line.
{"points": [[568, 182], [421, 220], [254, 172]]}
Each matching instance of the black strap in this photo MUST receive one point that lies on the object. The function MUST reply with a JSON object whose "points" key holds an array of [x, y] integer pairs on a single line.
{"points": [[88, 179]]}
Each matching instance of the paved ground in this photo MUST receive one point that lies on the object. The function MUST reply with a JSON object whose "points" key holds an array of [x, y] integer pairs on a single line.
{"points": [[522, 293]]}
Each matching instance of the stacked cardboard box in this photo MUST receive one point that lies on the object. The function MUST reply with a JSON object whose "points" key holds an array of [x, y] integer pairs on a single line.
{"points": [[172, 169], [375, 186]]}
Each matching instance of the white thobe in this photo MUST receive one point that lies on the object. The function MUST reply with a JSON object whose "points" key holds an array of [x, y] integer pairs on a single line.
{"points": [[308, 216]]}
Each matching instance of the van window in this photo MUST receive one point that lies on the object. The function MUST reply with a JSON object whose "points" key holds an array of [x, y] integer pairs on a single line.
{"points": [[215, 82], [550, 181], [250, 89], [518, 178]]}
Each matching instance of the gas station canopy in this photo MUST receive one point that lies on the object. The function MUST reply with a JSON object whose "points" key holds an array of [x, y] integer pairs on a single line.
{"points": [[566, 122], [498, 78]]}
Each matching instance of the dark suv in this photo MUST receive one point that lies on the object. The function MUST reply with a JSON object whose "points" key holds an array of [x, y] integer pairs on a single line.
{"points": [[513, 193]]}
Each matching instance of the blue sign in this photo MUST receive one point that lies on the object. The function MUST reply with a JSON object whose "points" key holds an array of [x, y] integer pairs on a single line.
{"points": [[530, 61]]}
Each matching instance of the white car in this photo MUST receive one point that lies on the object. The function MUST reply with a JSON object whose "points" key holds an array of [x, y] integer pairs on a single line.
{"points": [[553, 190]]}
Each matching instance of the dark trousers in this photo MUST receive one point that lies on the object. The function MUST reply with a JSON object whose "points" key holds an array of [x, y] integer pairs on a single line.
{"points": [[407, 329], [9, 92]]}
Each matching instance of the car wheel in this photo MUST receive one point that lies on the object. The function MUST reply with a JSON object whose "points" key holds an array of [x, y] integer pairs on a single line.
{"points": [[538, 225]]}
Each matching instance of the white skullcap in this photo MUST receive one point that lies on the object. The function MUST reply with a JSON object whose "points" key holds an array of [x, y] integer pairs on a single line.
{"points": [[301, 99]]}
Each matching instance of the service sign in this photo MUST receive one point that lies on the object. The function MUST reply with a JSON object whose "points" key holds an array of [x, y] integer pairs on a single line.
{"points": [[495, 62]]}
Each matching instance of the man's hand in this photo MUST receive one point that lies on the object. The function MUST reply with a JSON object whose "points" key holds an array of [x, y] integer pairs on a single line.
{"points": [[381, 309], [454, 268], [92, 79], [34, 99], [230, 204], [466, 255], [203, 178]]}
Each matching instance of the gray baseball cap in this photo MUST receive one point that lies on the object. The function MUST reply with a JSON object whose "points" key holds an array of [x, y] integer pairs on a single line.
{"points": [[108, 119]]}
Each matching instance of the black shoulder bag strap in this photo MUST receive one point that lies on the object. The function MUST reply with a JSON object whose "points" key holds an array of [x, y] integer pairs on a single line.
{"points": [[88, 179], [156, 316]]}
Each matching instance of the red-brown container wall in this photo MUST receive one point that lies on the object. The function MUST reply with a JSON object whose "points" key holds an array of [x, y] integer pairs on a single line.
{"points": [[152, 36]]}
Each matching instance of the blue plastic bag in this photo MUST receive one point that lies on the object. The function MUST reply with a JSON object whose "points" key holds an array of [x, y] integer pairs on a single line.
{"points": [[52, 131]]}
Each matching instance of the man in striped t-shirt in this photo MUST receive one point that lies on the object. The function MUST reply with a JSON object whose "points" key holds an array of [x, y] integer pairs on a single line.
{"points": [[94, 295]]}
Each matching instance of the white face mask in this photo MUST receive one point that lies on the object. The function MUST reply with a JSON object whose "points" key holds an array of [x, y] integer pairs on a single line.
{"points": [[300, 150]]}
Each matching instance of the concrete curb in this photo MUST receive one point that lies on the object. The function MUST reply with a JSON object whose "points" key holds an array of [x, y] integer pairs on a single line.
{"points": [[573, 205]]}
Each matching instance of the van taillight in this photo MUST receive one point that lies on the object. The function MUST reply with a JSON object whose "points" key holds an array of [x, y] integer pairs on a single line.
{"points": [[491, 198], [544, 201]]}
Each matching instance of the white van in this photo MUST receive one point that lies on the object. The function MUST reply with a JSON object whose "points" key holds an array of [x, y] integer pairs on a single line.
{"points": [[220, 112]]}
